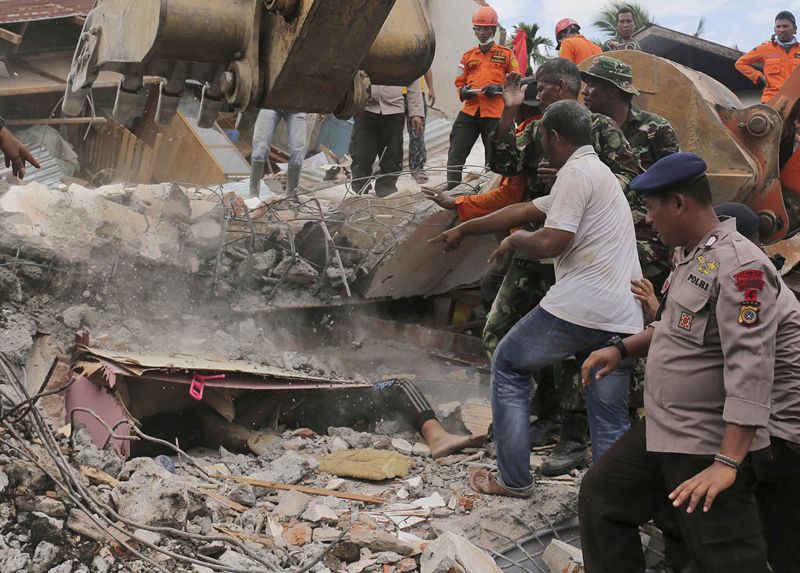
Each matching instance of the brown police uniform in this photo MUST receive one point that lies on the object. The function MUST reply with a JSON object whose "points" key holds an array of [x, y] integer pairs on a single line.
{"points": [[711, 362], [778, 480]]}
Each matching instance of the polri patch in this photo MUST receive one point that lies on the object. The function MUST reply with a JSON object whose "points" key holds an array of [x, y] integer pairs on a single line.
{"points": [[749, 280], [748, 311], [698, 282], [706, 265], [685, 321]]}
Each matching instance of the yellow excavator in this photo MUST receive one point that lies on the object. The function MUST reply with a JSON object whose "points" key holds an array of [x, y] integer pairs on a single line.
{"points": [[294, 55]]}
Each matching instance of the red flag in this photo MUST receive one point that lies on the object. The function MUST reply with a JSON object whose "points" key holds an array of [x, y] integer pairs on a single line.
{"points": [[520, 46]]}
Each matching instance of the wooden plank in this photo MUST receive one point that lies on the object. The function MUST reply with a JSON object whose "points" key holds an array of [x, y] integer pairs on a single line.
{"points": [[222, 499], [10, 36], [126, 154], [303, 489]]}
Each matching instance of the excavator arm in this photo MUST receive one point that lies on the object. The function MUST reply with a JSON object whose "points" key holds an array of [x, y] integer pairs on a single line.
{"points": [[294, 55]]}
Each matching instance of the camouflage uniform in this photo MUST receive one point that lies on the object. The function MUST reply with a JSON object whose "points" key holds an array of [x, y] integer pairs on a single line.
{"points": [[526, 282], [617, 43]]}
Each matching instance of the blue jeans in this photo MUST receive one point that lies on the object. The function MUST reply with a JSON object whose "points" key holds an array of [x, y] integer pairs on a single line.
{"points": [[535, 342], [264, 130]]}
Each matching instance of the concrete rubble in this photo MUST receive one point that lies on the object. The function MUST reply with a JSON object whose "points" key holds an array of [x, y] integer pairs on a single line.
{"points": [[180, 271]]}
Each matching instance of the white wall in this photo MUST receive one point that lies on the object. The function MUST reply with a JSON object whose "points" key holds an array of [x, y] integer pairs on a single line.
{"points": [[452, 21]]}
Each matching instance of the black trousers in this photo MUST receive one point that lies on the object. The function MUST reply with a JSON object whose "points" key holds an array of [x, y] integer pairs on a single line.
{"points": [[778, 496], [628, 486], [377, 135], [465, 132]]}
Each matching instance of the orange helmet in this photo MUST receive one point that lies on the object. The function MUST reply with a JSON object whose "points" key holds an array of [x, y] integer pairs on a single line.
{"points": [[565, 23], [485, 16]]}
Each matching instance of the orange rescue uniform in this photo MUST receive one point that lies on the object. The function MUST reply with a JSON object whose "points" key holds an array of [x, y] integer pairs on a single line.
{"points": [[778, 66], [578, 48], [479, 70], [510, 192]]}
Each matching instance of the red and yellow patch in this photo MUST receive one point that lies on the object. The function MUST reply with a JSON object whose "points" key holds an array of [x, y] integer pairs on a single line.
{"points": [[685, 321], [749, 280]]}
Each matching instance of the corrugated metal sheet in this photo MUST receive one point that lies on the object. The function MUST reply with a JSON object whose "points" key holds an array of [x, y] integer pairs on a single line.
{"points": [[32, 10]]}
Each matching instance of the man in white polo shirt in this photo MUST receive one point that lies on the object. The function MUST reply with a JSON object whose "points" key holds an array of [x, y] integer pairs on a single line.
{"points": [[588, 231]]}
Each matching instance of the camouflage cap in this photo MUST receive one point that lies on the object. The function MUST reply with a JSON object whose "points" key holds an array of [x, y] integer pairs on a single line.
{"points": [[618, 73]]}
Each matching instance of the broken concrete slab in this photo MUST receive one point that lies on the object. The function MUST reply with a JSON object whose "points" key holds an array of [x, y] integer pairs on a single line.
{"points": [[377, 541], [319, 513], [153, 496], [367, 464], [562, 557], [291, 504], [452, 552]]}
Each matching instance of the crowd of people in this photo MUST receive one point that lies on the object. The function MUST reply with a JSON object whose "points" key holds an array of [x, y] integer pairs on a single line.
{"points": [[601, 210]]}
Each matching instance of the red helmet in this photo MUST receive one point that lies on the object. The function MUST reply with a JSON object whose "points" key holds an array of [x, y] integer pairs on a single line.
{"points": [[565, 23], [485, 16]]}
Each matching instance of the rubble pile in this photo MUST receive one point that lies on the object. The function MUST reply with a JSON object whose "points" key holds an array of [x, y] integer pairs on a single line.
{"points": [[68, 506], [185, 271]]}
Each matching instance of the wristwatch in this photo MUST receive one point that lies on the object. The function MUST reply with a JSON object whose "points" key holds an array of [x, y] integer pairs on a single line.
{"points": [[617, 342]]}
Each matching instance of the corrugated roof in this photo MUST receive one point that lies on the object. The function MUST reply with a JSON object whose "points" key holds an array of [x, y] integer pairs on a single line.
{"points": [[31, 10]]}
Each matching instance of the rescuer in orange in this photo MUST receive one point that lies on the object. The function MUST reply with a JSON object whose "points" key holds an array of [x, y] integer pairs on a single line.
{"points": [[779, 57], [572, 45], [482, 68]]}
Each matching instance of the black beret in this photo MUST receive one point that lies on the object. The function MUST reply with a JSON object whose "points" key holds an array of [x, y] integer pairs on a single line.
{"points": [[746, 218], [669, 172]]}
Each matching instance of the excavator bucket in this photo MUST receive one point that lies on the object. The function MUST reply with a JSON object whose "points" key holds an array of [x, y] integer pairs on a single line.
{"points": [[740, 144], [294, 55]]}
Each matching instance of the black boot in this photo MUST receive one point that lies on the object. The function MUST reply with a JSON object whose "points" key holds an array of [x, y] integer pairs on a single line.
{"points": [[572, 451]]}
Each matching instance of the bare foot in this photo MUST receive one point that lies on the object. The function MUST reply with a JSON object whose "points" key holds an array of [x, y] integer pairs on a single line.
{"points": [[259, 443], [449, 444], [484, 481]]}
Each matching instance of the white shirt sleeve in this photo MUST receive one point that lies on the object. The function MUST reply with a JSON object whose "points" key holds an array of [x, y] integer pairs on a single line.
{"points": [[567, 200], [543, 203]]}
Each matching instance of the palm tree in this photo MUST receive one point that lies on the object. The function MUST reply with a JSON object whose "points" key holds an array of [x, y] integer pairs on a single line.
{"points": [[701, 28], [535, 42], [607, 19]]}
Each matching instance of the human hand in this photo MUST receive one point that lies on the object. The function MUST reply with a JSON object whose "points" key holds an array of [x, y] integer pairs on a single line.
{"points": [[493, 90], [15, 153], [645, 293], [606, 359], [498, 256], [513, 90], [709, 483], [417, 124], [466, 94], [546, 174], [431, 97], [440, 198], [762, 81], [451, 239]]}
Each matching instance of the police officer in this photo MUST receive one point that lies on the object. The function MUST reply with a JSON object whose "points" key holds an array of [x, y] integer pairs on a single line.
{"points": [[707, 394], [483, 68]]}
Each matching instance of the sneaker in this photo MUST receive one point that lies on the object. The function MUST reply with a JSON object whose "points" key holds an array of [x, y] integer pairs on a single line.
{"points": [[421, 177], [544, 433], [566, 457]]}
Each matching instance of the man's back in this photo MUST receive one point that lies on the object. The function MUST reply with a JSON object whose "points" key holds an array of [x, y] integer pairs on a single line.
{"points": [[578, 48], [593, 275]]}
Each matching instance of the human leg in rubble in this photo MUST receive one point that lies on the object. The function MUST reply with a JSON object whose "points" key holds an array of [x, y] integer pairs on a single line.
{"points": [[364, 148], [296, 127], [262, 139], [388, 399]]}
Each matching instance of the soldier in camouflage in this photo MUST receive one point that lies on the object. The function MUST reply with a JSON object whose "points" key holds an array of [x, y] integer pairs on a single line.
{"points": [[527, 281], [609, 91], [624, 38]]}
